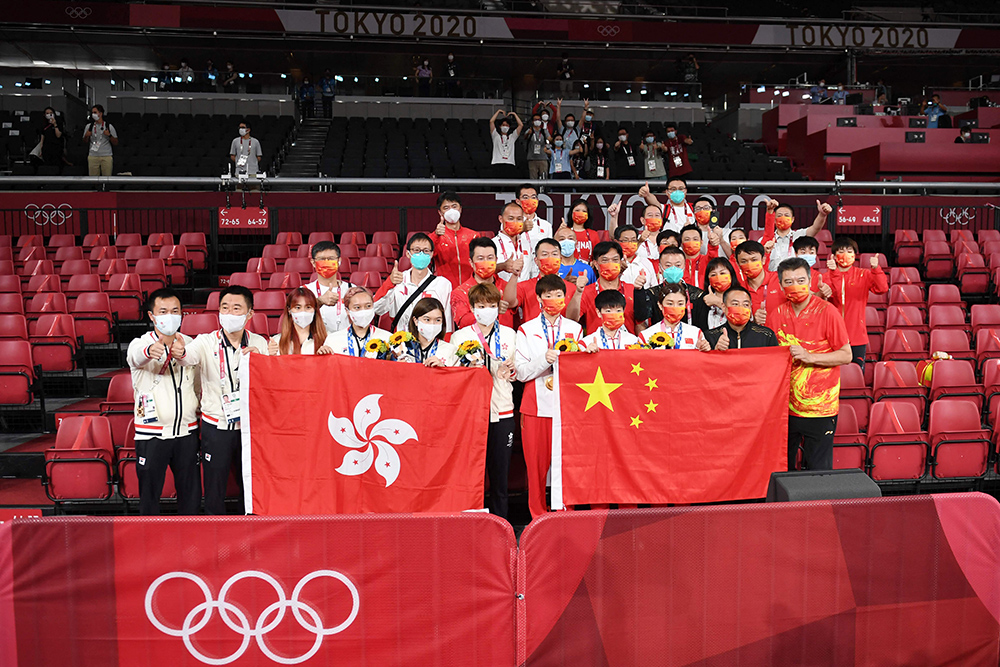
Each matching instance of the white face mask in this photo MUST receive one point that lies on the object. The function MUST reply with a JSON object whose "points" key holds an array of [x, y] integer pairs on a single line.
{"points": [[167, 325], [362, 318], [486, 316], [505, 129], [303, 318], [451, 58], [452, 215], [232, 323], [536, 123], [95, 116], [50, 116], [243, 131], [428, 331], [545, 117]]}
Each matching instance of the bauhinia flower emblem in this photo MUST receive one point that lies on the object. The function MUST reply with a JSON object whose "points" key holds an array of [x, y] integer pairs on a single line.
{"points": [[374, 439]]}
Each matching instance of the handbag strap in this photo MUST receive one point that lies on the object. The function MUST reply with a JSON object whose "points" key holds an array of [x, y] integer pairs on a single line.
{"points": [[413, 297]]}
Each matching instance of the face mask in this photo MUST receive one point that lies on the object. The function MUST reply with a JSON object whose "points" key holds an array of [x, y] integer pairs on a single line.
{"points": [[567, 247], [738, 315], [327, 268], [677, 196], [966, 135], [529, 206], [243, 131], [428, 331], [451, 58], [536, 123], [588, 118], [95, 116], [512, 228], [610, 270], [485, 268], [579, 217], [674, 314], [50, 116], [720, 283], [553, 305], [653, 224], [504, 129], [844, 259], [671, 135], [570, 124], [425, 63], [303, 318], [362, 318], [558, 143], [167, 325], [783, 222], [797, 293], [232, 323], [810, 259], [613, 321], [691, 248], [548, 265], [452, 215], [545, 117], [702, 217], [752, 268], [420, 260], [623, 138], [650, 140], [486, 316], [733, 245], [600, 145], [673, 274], [630, 248]]}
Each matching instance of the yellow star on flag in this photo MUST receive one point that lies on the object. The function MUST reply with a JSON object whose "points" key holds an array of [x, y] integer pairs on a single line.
{"points": [[651, 407], [599, 391], [651, 384], [636, 368], [636, 421]]}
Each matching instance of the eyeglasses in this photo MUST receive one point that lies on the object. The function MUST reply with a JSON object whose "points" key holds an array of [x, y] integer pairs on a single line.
{"points": [[421, 251]]}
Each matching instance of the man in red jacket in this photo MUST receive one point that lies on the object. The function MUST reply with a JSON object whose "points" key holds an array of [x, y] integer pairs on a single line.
{"points": [[451, 241], [850, 286], [483, 265]]}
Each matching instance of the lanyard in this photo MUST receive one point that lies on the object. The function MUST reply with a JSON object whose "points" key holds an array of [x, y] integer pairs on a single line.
{"points": [[485, 343], [688, 212], [429, 352], [555, 331], [351, 337], [674, 333], [615, 340], [225, 365]]}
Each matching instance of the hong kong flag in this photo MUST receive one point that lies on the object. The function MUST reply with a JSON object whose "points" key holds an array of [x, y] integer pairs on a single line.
{"points": [[669, 426], [337, 434]]}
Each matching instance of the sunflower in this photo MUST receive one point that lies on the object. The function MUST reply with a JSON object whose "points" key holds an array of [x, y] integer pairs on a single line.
{"points": [[661, 339], [468, 347], [636, 346], [376, 346], [567, 345], [400, 337]]}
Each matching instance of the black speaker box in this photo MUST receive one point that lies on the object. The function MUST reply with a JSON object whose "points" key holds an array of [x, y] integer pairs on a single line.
{"points": [[821, 485]]}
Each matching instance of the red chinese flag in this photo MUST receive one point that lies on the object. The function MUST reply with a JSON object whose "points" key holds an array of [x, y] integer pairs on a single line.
{"points": [[676, 426], [336, 434]]}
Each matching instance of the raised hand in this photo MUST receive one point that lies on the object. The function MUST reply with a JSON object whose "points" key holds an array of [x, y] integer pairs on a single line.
{"points": [[703, 345], [331, 298], [614, 208], [760, 317], [723, 343], [272, 348], [529, 224], [516, 265], [772, 205], [551, 356], [157, 349], [640, 280], [768, 246], [440, 229], [873, 260], [504, 306], [831, 264], [823, 209], [714, 238], [644, 190], [396, 276], [581, 280], [326, 349], [177, 348]]}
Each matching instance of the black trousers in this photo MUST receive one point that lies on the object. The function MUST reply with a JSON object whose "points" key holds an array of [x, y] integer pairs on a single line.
{"points": [[328, 106], [220, 451], [815, 435], [499, 444], [154, 456], [858, 355]]}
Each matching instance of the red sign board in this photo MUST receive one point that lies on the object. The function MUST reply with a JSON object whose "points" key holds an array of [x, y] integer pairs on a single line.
{"points": [[11, 513], [251, 217], [860, 216]]}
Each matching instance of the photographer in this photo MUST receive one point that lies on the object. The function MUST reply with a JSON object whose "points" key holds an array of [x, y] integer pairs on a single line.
{"points": [[52, 142], [102, 136]]}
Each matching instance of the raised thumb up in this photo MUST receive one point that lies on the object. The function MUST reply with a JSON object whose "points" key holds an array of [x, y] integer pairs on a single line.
{"points": [[723, 342]]}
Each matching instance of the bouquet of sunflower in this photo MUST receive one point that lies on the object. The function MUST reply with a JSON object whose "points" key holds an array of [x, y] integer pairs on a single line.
{"points": [[567, 345], [403, 344], [376, 348], [636, 346], [470, 353], [661, 340]]}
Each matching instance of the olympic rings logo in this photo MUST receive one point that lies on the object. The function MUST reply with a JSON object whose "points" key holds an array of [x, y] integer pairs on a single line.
{"points": [[608, 30], [48, 214], [962, 216], [78, 12], [264, 624]]}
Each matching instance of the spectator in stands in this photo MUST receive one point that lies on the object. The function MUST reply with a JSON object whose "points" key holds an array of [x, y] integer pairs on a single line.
{"points": [[587, 128], [399, 293], [451, 241], [427, 328], [329, 289], [210, 74], [840, 95], [577, 159], [166, 408], [535, 227], [586, 238], [612, 334], [881, 92], [351, 341], [328, 89], [677, 214], [565, 74], [964, 136], [570, 265], [675, 147], [598, 164], [230, 79], [935, 110], [425, 75], [738, 331], [510, 255], [452, 84], [300, 328], [819, 92], [245, 152], [626, 157], [538, 141], [498, 343], [674, 308], [218, 356], [688, 68], [784, 235], [165, 77], [53, 142], [850, 286], [608, 263], [548, 115], [483, 260], [818, 341], [652, 160], [504, 160], [709, 312], [559, 159], [185, 72], [307, 98], [568, 129], [101, 136], [536, 343]]}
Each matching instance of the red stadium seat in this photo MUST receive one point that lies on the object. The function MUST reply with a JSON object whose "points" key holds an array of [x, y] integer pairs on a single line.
{"points": [[284, 281], [956, 379], [46, 303], [965, 247], [973, 275], [854, 393], [128, 240], [11, 303], [947, 316], [75, 267], [260, 324], [316, 237], [953, 341], [137, 252], [897, 381], [850, 448], [197, 249], [349, 250], [906, 295], [380, 250], [30, 254], [62, 240], [18, 372], [904, 344], [897, 445], [6, 241], [13, 327], [118, 407], [80, 284], [27, 240], [987, 346], [904, 275], [54, 342], [109, 267], [213, 302], [6, 254], [937, 235], [905, 317], [960, 446], [251, 281], [10, 284], [956, 235], [265, 266], [938, 261], [865, 260], [35, 267], [304, 250], [66, 253], [985, 316], [991, 387], [42, 283], [152, 273], [276, 252], [93, 316], [299, 265], [94, 240], [357, 238], [270, 304], [199, 323], [909, 249], [160, 239], [125, 292], [370, 279], [79, 467], [987, 235], [7, 268], [946, 293], [376, 264], [392, 238], [175, 259], [291, 239]]}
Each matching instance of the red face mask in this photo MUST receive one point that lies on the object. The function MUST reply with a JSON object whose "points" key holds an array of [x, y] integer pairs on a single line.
{"points": [[752, 268], [629, 248], [485, 268], [610, 270], [512, 228], [796, 293], [613, 320], [733, 245], [720, 283], [548, 265], [653, 224], [844, 259], [579, 217], [702, 217], [553, 305], [529, 206], [674, 314], [327, 268], [691, 248], [738, 315], [783, 222]]}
